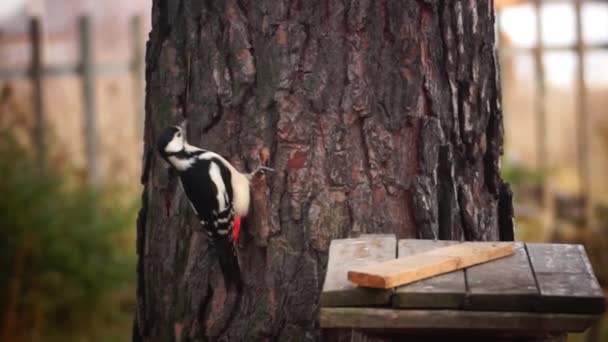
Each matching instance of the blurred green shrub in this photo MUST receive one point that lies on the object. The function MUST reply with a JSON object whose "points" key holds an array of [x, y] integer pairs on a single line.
{"points": [[67, 265], [519, 175]]}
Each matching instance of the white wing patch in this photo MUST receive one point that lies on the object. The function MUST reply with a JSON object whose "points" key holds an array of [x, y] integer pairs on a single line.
{"points": [[240, 184], [190, 148], [216, 177], [208, 155], [181, 164]]}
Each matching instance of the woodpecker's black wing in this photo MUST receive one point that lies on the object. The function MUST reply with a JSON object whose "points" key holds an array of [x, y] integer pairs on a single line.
{"points": [[208, 186]]}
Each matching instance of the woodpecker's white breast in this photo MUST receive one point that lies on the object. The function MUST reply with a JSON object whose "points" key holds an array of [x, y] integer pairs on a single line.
{"points": [[240, 185], [216, 177]]}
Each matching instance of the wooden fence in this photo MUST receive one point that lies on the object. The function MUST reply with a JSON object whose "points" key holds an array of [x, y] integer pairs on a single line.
{"points": [[87, 70], [580, 48]]}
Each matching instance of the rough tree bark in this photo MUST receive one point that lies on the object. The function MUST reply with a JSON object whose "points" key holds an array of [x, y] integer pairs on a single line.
{"points": [[380, 116]]}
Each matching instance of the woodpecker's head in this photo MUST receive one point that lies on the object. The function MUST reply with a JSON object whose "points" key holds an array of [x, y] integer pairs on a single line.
{"points": [[171, 141]]}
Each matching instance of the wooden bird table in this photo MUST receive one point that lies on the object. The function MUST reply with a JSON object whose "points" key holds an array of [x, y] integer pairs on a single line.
{"points": [[540, 293]]}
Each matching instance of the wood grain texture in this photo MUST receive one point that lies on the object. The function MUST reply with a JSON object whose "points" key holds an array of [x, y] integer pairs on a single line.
{"points": [[374, 318], [400, 335], [446, 291], [505, 284], [565, 279], [406, 270], [357, 252]]}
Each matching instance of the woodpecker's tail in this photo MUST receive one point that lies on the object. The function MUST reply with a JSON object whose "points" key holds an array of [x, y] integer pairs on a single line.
{"points": [[229, 263]]}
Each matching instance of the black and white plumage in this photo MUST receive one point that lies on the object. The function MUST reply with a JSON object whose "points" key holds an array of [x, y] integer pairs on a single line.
{"points": [[216, 190]]}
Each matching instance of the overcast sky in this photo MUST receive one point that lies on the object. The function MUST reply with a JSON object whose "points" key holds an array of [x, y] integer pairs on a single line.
{"points": [[559, 29], [10, 8]]}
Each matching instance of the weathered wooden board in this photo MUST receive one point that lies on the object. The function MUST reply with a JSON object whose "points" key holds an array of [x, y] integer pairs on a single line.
{"points": [[505, 284], [385, 319], [565, 279], [406, 270], [429, 335], [357, 252], [446, 291]]}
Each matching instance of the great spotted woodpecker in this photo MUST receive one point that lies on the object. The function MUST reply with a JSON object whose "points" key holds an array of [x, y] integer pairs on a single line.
{"points": [[218, 193]]}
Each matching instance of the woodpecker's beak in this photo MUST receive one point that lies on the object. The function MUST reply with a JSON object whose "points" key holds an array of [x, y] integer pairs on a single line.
{"points": [[160, 147], [165, 140]]}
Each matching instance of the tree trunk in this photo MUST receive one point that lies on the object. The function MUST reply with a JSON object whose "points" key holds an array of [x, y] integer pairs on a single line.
{"points": [[380, 116]]}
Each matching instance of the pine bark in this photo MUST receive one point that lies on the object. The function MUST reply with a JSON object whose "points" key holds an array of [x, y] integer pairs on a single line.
{"points": [[380, 116]]}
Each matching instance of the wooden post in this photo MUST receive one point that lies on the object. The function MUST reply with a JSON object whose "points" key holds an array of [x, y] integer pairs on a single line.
{"points": [[540, 107], [87, 73], [583, 117], [137, 73], [36, 76], [501, 56]]}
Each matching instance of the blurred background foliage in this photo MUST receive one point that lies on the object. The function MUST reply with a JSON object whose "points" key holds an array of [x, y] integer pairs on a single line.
{"points": [[67, 250], [67, 259]]}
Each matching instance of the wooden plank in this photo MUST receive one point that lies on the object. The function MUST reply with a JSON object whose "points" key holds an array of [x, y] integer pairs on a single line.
{"points": [[428, 335], [506, 284], [37, 78], [137, 69], [357, 252], [424, 265], [565, 279], [88, 92], [540, 107], [375, 318], [446, 291], [61, 70], [582, 111]]}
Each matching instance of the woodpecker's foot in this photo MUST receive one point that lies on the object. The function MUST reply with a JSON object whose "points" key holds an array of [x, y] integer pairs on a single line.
{"points": [[260, 169], [263, 169]]}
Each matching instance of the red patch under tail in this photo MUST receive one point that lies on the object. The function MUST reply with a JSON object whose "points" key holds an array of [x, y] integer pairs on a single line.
{"points": [[236, 230]]}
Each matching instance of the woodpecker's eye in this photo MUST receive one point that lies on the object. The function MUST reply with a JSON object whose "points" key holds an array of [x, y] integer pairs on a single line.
{"points": [[179, 135]]}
